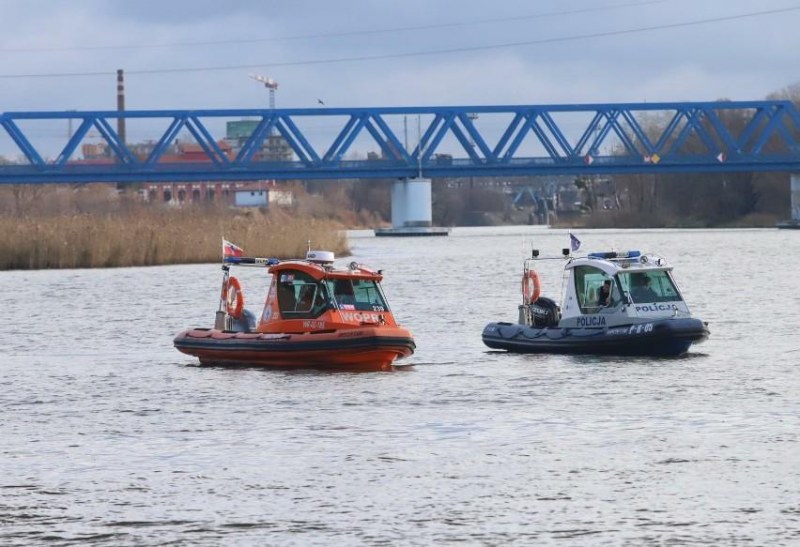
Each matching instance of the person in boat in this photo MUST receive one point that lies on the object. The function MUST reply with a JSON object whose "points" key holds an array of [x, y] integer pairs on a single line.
{"points": [[286, 297], [321, 302], [343, 292], [306, 299], [604, 294], [312, 299], [643, 292]]}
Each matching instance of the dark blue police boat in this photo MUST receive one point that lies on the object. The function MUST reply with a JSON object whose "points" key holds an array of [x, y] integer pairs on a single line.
{"points": [[616, 303]]}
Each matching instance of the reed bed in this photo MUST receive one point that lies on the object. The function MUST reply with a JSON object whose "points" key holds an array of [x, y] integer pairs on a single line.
{"points": [[152, 237]]}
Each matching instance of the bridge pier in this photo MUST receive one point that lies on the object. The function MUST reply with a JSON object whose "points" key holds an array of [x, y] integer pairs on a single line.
{"points": [[411, 210], [793, 222]]}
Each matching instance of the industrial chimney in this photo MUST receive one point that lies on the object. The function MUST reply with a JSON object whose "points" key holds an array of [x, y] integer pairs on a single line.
{"points": [[121, 105]]}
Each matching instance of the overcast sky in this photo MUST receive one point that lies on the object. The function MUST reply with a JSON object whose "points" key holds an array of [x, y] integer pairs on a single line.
{"points": [[63, 55]]}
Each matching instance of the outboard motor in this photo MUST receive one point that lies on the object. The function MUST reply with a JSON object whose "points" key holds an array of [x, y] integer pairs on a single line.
{"points": [[545, 313], [542, 313]]}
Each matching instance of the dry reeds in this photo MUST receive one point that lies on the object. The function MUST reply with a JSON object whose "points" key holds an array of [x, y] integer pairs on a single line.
{"points": [[151, 237]]}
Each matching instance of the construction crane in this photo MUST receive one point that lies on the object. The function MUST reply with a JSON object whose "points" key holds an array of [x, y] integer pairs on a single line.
{"points": [[270, 84]]}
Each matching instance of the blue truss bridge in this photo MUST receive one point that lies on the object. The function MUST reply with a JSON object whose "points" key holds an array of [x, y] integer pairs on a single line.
{"points": [[400, 142]]}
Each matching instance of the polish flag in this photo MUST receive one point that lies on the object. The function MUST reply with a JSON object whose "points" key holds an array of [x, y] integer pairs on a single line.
{"points": [[229, 249]]}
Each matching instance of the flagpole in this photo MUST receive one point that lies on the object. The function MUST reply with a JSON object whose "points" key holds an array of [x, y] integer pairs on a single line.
{"points": [[221, 315], [569, 234]]}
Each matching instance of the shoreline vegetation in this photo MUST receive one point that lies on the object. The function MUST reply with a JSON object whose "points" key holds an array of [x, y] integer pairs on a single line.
{"points": [[149, 237], [102, 226], [625, 220]]}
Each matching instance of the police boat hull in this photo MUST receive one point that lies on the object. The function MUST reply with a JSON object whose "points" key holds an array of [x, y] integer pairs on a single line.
{"points": [[665, 337]]}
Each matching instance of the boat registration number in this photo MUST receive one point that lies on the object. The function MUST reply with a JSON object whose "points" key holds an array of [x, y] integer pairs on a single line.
{"points": [[641, 328]]}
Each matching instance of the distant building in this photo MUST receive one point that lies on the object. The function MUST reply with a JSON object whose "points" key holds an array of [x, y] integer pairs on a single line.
{"points": [[274, 147], [264, 197], [240, 194], [181, 193], [251, 198]]}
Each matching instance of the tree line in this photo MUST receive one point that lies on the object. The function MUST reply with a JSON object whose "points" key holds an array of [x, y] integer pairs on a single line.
{"points": [[709, 199]]}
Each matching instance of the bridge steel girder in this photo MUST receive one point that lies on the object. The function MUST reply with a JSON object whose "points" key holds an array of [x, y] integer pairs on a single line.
{"points": [[721, 136]]}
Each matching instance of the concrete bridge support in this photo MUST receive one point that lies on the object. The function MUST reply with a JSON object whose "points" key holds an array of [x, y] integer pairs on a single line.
{"points": [[794, 188], [411, 209], [411, 203]]}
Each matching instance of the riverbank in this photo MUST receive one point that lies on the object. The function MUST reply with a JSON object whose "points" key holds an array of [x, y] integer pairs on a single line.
{"points": [[148, 237], [635, 220]]}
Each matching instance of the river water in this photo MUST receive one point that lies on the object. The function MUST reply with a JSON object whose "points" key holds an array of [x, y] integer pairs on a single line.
{"points": [[111, 437]]}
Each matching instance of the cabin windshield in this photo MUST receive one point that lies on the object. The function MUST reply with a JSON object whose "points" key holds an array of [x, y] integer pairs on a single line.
{"points": [[650, 286], [300, 296], [591, 285], [357, 294]]}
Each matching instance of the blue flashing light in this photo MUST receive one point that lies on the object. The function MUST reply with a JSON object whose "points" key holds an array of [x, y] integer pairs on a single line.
{"points": [[250, 260], [615, 254]]}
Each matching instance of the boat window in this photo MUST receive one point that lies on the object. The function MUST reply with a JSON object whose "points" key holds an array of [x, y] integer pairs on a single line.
{"points": [[650, 286], [358, 294], [588, 284], [300, 296]]}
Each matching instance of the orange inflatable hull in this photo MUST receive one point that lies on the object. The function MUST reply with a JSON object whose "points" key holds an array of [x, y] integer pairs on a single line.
{"points": [[360, 348]]}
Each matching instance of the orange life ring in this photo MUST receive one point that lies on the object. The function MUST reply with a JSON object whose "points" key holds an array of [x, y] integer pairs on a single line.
{"points": [[531, 287], [234, 299]]}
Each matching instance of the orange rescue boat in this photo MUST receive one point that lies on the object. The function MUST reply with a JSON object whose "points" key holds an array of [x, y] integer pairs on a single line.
{"points": [[315, 315]]}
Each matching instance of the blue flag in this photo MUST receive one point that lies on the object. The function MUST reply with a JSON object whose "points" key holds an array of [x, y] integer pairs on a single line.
{"points": [[574, 242]]}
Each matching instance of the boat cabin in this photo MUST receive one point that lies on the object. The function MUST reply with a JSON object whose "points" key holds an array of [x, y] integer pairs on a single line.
{"points": [[637, 286], [312, 295], [614, 288]]}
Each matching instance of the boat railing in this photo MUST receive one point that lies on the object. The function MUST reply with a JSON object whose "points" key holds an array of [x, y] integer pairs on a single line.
{"points": [[535, 257], [565, 253]]}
